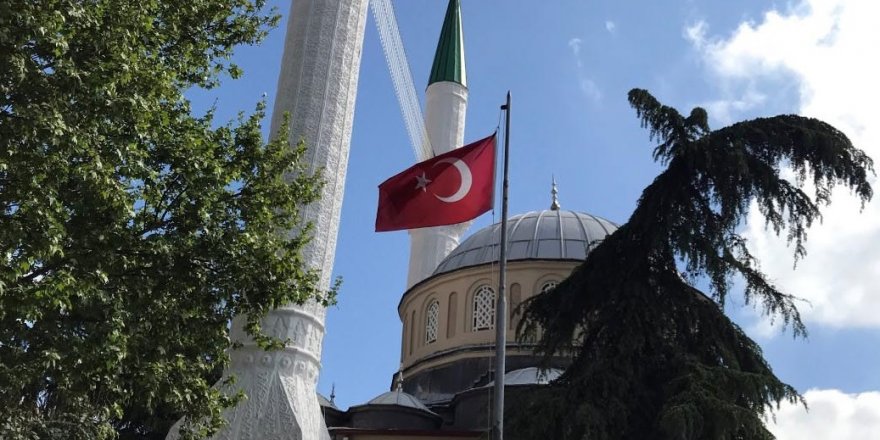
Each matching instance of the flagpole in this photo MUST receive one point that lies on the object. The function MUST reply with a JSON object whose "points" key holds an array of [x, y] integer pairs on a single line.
{"points": [[501, 302]]}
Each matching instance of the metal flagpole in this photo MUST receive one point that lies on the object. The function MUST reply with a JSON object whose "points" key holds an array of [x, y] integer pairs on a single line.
{"points": [[501, 302]]}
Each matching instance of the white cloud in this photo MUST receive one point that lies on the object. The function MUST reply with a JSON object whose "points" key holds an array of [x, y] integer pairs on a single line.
{"points": [[586, 84], [696, 34], [825, 49], [725, 110], [610, 26], [832, 415], [575, 45], [589, 88]]}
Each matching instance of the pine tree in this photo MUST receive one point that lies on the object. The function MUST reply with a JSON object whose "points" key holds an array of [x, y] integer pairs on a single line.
{"points": [[654, 357]]}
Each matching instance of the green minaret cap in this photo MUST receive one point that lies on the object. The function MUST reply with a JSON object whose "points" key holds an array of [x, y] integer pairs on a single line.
{"points": [[449, 59]]}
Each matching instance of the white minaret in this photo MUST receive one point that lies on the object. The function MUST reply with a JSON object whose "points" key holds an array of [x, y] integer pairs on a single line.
{"points": [[445, 109], [317, 86]]}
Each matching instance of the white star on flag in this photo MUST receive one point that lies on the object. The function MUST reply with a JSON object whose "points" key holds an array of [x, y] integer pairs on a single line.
{"points": [[422, 182]]}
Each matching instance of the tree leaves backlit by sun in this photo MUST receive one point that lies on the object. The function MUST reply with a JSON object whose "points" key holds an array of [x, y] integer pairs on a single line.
{"points": [[132, 231], [654, 357]]}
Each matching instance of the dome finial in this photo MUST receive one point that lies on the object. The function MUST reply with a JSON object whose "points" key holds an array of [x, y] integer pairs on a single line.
{"points": [[333, 393], [554, 205]]}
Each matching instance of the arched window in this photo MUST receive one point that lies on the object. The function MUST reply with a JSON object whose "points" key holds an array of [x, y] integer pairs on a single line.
{"points": [[549, 285], [432, 318], [484, 308]]}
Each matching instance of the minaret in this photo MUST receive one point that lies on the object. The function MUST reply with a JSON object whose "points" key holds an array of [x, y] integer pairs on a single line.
{"points": [[445, 109], [317, 86]]}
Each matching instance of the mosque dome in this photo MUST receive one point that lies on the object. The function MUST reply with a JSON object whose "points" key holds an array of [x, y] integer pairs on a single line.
{"points": [[448, 333], [394, 410], [399, 398], [325, 402], [551, 234]]}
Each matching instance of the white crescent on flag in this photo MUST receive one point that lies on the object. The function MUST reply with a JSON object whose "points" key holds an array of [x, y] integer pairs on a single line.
{"points": [[466, 180]]}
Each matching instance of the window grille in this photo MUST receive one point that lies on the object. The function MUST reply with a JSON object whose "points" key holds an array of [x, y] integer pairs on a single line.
{"points": [[484, 308], [548, 286], [432, 322]]}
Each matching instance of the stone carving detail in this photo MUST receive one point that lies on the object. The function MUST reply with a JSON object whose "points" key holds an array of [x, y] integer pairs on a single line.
{"points": [[280, 385], [317, 87]]}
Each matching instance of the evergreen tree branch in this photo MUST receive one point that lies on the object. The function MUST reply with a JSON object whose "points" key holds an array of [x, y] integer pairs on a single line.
{"points": [[655, 357]]}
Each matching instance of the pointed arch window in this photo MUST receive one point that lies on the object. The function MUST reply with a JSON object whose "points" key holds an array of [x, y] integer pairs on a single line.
{"points": [[432, 321], [484, 308]]}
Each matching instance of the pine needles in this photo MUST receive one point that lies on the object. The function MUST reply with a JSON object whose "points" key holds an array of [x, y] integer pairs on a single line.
{"points": [[656, 358]]}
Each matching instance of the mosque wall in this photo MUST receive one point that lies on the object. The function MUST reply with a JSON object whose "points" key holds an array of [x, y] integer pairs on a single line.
{"points": [[455, 294]]}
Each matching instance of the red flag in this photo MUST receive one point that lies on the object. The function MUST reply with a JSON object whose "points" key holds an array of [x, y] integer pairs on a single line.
{"points": [[451, 188]]}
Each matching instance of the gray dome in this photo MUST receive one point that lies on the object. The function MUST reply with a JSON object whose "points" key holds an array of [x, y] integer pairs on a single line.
{"points": [[323, 401], [399, 398], [538, 235]]}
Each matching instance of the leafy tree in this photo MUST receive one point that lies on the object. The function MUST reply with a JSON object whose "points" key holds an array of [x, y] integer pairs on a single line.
{"points": [[655, 357], [131, 231]]}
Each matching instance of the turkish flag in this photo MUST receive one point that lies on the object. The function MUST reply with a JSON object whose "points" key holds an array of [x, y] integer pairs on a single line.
{"points": [[451, 188]]}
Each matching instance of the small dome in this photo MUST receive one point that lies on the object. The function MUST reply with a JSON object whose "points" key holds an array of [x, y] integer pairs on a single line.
{"points": [[395, 410], [399, 398], [530, 376], [323, 401], [539, 235]]}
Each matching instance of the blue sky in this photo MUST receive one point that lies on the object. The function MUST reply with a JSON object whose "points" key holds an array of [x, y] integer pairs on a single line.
{"points": [[569, 64]]}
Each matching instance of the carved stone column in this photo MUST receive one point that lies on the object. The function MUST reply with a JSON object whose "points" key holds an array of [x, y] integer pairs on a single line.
{"points": [[317, 86]]}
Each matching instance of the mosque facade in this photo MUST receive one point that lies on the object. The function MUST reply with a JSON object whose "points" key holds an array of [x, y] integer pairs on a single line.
{"points": [[443, 389], [447, 347]]}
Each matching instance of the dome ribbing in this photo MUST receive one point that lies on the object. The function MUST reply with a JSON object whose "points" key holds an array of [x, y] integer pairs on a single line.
{"points": [[536, 235]]}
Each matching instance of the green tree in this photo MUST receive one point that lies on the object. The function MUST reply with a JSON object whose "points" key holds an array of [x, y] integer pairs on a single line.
{"points": [[131, 231], [654, 357]]}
